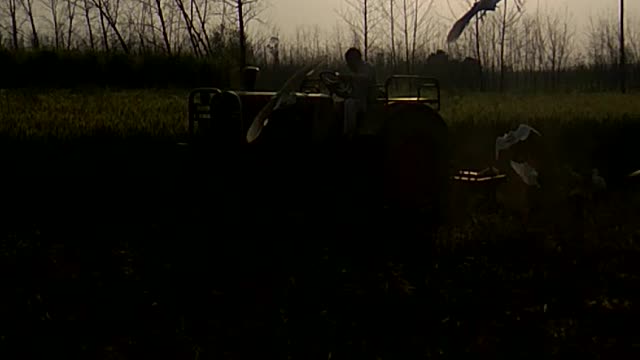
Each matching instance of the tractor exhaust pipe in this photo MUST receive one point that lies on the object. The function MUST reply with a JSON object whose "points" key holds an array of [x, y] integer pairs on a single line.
{"points": [[250, 77]]}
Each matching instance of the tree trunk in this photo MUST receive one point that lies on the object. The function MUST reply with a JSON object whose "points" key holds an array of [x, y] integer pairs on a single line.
{"points": [[623, 80], [502, 39], [53, 6], [165, 36], [71, 14], [243, 44], [13, 9], [189, 25], [89, 28], [415, 31], [105, 38], [406, 37], [478, 54], [392, 20], [202, 20], [28, 8], [366, 30], [112, 23]]}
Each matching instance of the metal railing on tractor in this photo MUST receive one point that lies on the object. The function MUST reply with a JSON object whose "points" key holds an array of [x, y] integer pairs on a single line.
{"points": [[423, 84], [200, 106], [478, 177], [207, 103]]}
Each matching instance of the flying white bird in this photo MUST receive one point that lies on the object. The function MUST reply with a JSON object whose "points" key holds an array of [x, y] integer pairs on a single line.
{"points": [[513, 137], [525, 171], [461, 24]]}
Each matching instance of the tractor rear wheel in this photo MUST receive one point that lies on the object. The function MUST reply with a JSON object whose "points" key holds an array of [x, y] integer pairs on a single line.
{"points": [[416, 160]]}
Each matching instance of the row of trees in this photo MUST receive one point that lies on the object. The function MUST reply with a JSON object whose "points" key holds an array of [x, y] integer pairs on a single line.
{"points": [[512, 46], [195, 27]]}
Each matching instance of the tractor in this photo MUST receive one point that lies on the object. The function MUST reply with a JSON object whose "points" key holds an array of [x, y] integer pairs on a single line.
{"points": [[290, 141]]}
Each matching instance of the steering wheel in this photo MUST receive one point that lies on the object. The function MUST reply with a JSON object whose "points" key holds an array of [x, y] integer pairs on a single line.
{"points": [[336, 83]]}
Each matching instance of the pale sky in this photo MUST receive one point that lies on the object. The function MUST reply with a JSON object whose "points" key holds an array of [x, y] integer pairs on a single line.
{"points": [[289, 14]]}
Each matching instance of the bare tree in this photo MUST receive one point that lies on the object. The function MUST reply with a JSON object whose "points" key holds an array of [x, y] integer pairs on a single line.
{"points": [[559, 38], [478, 55], [11, 9], [241, 31], [223, 19], [189, 25], [72, 5], [509, 18], [52, 7], [388, 10], [405, 32], [109, 12], [603, 41], [202, 11], [623, 73], [632, 39], [338, 40], [86, 7], [141, 32], [196, 22], [315, 36], [362, 19], [28, 9], [103, 26], [246, 11], [421, 13], [159, 7]]}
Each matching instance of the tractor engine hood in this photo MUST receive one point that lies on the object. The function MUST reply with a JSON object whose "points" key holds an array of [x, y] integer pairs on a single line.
{"points": [[297, 114]]}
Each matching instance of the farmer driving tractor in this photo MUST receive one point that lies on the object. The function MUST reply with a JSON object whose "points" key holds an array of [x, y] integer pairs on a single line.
{"points": [[363, 81]]}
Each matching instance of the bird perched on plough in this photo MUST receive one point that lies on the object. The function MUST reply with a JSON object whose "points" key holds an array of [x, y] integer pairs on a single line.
{"points": [[481, 6]]}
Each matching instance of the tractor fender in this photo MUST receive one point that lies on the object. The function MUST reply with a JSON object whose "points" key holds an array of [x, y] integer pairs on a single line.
{"points": [[416, 156]]}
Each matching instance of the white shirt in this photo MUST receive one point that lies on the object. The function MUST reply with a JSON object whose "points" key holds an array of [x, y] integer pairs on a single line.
{"points": [[364, 84]]}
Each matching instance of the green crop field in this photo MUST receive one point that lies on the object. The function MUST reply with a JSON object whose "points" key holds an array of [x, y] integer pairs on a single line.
{"points": [[575, 126], [155, 263], [66, 113]]}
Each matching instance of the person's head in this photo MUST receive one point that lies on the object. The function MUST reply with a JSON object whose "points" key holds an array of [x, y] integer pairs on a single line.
{"points": [[353, 57]]}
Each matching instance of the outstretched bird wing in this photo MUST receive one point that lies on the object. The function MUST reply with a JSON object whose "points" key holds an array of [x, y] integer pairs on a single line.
{"points": [[488, 5], [461, 24]]}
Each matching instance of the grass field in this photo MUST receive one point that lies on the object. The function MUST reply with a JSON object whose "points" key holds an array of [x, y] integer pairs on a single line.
{"points": [[585, 130], [114, 236], [69, 113]]}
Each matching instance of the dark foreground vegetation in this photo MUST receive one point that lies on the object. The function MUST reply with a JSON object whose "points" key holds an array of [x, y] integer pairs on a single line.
{"points": [[117, 243]]}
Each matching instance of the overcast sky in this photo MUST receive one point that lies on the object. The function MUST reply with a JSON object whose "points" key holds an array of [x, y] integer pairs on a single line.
{"points": [[289, 14]]}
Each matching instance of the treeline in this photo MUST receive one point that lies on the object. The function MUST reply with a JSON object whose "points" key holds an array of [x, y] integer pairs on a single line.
{"points": [[68, 69], [72, 69], [188, 43]]}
